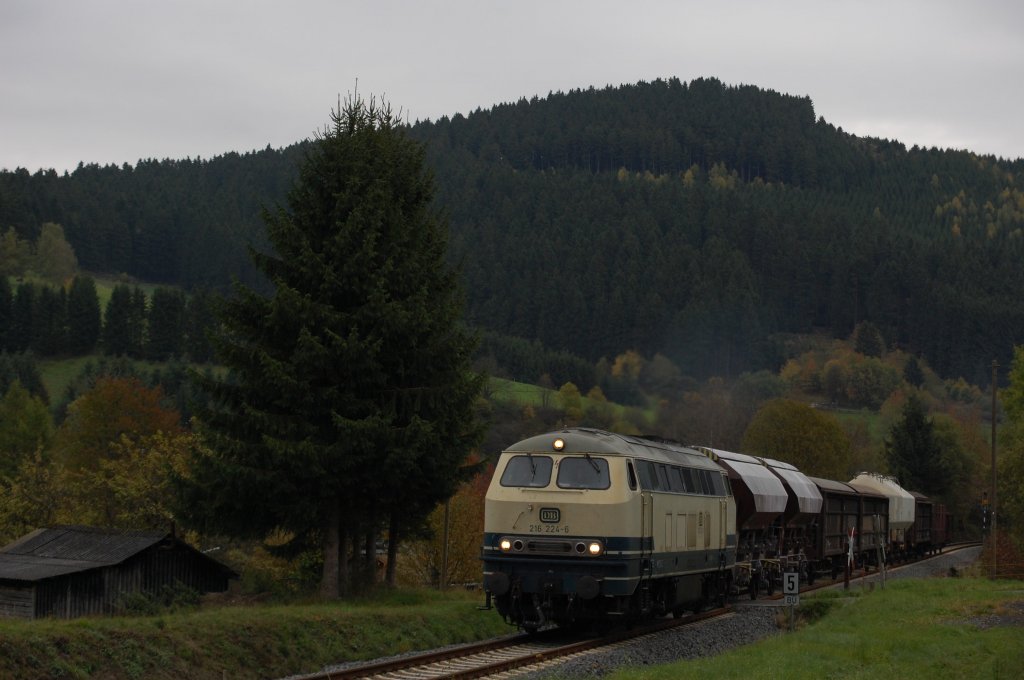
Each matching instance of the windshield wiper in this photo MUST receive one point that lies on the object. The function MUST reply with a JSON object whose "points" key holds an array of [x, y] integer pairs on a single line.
{"points": [[593, 463]]}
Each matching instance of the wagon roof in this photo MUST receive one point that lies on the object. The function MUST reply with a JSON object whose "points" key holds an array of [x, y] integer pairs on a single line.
{"points": [[833, 486], [901, 503], [807, 495], [767, 489]]}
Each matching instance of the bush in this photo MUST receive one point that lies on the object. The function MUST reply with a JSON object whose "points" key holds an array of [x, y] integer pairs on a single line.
{"points": [[168, 598]]}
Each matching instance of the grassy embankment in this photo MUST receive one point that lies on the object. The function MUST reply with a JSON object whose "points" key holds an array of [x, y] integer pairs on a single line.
{"points": [[934, 629], [258, 641], [931, 629]]}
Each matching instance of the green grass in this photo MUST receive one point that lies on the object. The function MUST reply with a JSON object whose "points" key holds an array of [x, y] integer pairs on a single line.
{"points": [[525, 394], [912, 629], [56, 374], [243, 642]]}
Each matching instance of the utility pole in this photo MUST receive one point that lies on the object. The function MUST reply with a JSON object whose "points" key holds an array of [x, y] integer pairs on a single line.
{"points": [[444, 548], [995, 537]]}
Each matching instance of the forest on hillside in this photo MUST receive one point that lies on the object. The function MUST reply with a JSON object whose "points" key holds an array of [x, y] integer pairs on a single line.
{"points": [[699, 221]]}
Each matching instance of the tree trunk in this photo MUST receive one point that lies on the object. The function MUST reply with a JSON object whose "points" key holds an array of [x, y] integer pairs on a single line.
{"points": [[370, 563], [331, 522], [344, 573], [392, 549]]}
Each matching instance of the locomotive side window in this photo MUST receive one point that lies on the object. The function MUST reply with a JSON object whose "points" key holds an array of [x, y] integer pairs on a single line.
{"points": [[720, 488], [691, 485], [675, 481], [631, 475], [705, 482], [531, 471], [648, 478], [663, 478], [583, 473]]}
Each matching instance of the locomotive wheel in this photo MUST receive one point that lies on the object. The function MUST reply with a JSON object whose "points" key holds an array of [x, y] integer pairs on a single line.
{"points": [[771, 583], [753, 587]]}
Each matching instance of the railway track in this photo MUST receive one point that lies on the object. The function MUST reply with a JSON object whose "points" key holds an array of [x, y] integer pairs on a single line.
{"points": [[525, 652], [494, 657]]}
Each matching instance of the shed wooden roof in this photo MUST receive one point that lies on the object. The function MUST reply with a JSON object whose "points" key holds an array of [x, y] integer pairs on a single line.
{"points": [[46, 553]]}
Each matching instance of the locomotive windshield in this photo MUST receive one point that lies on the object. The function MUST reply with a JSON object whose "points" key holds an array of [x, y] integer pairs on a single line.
{"points": [[532, 471], [583, 473]]}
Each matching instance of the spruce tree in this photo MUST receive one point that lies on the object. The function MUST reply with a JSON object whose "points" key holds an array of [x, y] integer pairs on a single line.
{"points": [[83, 316], [117, 320], [349, 403], [6, 311], [914, 452], [166, 324]]}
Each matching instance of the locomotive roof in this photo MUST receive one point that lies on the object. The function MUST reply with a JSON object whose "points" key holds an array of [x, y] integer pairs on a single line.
{"points": [[581, 440]]}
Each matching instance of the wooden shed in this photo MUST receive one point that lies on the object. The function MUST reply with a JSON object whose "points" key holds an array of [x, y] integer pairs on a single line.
{"points": [[70, 571]]}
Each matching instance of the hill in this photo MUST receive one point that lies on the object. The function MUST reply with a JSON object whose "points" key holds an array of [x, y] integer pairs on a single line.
{"points": [[696, 220]]}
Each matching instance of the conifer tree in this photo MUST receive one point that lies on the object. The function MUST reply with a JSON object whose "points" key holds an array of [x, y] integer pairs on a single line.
{"points": [[116, 321], [199, 320], [349, 401], [915, 453], [6, 311], [83, 316], [166, 324]]}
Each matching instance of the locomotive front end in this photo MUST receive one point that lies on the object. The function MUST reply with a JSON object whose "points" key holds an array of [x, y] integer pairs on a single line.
{"points": [[557, 544]]}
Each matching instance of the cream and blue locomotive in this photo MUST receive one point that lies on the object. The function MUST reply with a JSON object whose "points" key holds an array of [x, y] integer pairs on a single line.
{"points": [[584, 525]]}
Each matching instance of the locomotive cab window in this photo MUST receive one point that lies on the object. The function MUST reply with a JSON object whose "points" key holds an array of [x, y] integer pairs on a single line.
{"points": [[531, 471], [584, 472]]}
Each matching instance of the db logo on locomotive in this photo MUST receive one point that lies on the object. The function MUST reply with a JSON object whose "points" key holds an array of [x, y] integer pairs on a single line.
{"points": [[551, 515]]}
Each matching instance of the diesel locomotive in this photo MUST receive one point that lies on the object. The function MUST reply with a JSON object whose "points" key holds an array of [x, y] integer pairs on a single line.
{"points": [[584, 525]]}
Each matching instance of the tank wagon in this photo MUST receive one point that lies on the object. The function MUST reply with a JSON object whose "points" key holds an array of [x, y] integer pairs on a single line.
{"points": [[583, 525]]}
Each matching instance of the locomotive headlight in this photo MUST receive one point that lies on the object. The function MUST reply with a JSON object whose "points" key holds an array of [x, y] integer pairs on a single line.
{"points": [[505, 544], [558, 444], [595, 548]]}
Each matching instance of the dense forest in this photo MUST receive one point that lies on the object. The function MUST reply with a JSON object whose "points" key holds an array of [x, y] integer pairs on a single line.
{"points": [[699, 221]]}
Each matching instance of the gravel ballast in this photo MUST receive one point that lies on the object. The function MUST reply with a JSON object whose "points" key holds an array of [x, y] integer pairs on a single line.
{"points": [[749, 623]]}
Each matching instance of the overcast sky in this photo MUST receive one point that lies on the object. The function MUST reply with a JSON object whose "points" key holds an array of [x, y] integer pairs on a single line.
{"points": [[115, 81]]}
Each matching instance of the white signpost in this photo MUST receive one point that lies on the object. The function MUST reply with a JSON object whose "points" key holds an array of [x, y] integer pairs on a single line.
{"points": [[791, 589]]}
